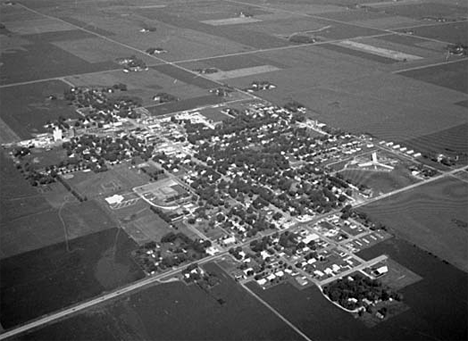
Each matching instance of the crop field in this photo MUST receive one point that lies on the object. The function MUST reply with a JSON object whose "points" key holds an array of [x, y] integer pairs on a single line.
{"points": [[230, 63], [448, 141], [44, 280], [451, 76], [236, 33], [46, 225], [437, 48], [453, 33], [427, 10], [402, 50], [26, 109], [357, 53], [155, 314], [344, 31], [185, 76], [207, 10], [33, 62], [432, 216], [255, 70]]}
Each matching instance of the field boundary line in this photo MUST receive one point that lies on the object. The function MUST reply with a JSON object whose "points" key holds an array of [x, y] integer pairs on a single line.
{"points": [[430, 65], [273, 310], [334, 20]]}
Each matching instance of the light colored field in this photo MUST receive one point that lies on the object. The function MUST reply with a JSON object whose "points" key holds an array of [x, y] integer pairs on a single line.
{"points": [[255, 70], [395, 45], [40, 25], [230, 21], [396, 55]]}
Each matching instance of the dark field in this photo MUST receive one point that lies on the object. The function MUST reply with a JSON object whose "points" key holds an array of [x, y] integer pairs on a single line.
{"points": [[434, 313], [26, 109], [38, 60], [432, 216], [449, 141], [175, 311], [45, 280], [42, 228], [451, 76], [453, 33]]}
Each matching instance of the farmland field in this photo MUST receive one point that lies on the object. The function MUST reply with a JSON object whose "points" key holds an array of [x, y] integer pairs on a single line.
{"points": [[46, 225], [156, 313], [42, 281], [453, 33], [432, 216], [448, 141], [41, 59], [451, 76], [29, 109]]}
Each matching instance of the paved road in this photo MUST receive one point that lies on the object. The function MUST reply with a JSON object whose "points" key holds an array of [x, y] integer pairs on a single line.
{"points": [[364, 265], [106, 297]]}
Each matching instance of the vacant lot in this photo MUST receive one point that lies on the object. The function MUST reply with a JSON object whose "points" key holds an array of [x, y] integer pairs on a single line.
{"points": [[45, 280], [451, 76], [432, 216], [175, 311], [26, 109]]}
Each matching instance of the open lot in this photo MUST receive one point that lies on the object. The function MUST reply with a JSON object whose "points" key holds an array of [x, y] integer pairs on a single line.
{"points": [[47, 279], [432, 216], [156, 313], [26, 109], [381, 182], [119, 179]]}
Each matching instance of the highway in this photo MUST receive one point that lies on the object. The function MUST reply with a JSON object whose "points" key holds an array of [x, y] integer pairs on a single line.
{"points": [[155, 279], [103, 298]]}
